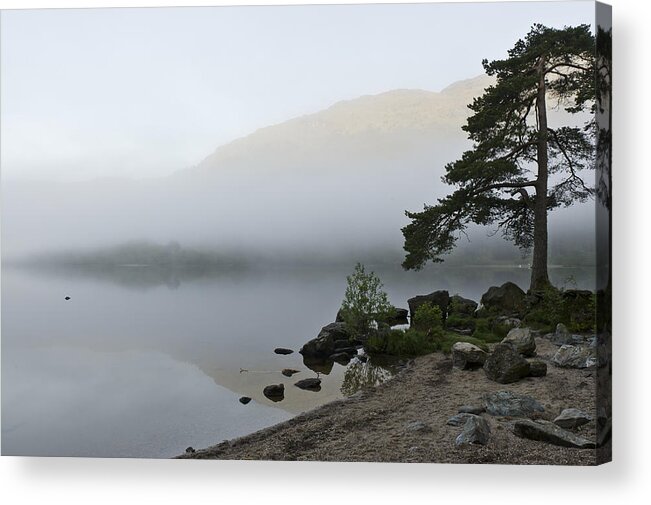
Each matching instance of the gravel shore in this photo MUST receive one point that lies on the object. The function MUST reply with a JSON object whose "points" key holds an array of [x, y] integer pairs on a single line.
{"points": [[404, 420]]}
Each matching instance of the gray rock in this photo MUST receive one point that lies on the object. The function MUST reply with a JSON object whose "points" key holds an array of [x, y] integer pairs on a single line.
{"points": [[417, 426], [537, 368], [522, 340], [472, 409], [572, 418], [311, 384], [288, 372], [275, 392], [475, 431], [400, 316], [505, 299], [190, 450], [507, 403], [244, 400], [574, 356], [562, 336], [505, 365], [439, 298], [324, 343], [510, 322], [282, 350], [546, 431], [467, 356], [461, 306], [459, 419]]}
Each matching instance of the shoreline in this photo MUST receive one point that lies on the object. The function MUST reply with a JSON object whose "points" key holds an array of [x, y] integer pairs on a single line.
{"points": [[404, 420]]}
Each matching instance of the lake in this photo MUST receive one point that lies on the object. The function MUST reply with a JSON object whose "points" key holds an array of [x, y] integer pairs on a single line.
{"points": [[144, 362]]}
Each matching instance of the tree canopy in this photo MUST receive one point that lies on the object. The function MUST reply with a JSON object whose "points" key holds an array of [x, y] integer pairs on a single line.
{"points": [[519, 168]]}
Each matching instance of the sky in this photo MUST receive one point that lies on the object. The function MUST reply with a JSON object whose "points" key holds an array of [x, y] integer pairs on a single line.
{"points": [[139, 93]]}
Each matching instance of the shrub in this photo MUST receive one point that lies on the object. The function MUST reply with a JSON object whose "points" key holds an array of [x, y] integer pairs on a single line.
{"points": [[428, 317], [411, 342], [364, 302]]}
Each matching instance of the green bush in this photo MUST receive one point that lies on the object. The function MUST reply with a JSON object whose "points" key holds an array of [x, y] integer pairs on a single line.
{"points": [[461, 322], [553, 306], [407, 343], [364, 302], [428, 317]]}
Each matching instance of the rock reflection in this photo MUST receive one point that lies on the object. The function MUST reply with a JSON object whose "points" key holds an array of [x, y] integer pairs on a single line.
{"points": [[361, 375]]}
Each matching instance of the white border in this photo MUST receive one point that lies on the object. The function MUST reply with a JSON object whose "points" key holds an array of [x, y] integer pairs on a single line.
{"points": [[104, 481]]}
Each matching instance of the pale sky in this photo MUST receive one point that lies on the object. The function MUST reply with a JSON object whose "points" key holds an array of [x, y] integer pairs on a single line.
{"points": [[145, 92]]}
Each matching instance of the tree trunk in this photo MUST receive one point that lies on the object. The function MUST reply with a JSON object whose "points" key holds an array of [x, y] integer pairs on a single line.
{"points": [[539, 275]]}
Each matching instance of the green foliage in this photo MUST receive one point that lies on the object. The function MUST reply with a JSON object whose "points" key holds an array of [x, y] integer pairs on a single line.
{"points": [[554, 306], [490, 330], [461, 322], [428, 317], [493, 181], [411, 342], [364, 302]]}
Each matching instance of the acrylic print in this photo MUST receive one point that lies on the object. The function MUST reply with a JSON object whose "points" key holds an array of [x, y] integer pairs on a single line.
{"points": [[331, 233]]}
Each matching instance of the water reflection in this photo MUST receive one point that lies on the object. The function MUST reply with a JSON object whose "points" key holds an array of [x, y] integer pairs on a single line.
{"points": [[362, 375]]}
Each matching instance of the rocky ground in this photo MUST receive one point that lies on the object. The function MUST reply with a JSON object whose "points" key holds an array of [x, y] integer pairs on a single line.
{"points": [[405, 420]]}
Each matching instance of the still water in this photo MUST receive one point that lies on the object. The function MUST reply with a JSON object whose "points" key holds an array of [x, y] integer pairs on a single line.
{"points": [[144, 363]]}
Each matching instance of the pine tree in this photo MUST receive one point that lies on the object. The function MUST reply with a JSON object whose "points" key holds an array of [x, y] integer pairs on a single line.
{"points": [[519, 168]]}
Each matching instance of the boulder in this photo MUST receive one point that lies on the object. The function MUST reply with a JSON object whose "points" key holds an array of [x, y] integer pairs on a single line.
{"points": [[400, 316], [459, 419], [475, 431], [467, 356], [546, 431], [244, 400], [562, 336], [472, 409], [574, 356], [572, 418], [275, 392], [288, 372], [439, 298], [509, 322], [522, 340], [282, 350], [311, 384], [460, 306], [505, 299], [324, 343], [506, 403], [537, 368], [505, 365]]}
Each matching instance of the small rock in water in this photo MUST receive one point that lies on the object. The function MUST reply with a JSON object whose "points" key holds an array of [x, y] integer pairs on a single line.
{"points": [[244, 400], [282, 350], [288, 372], [275, 392], [67, 298], [309, 384], [190, 450], [471, 409]]}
